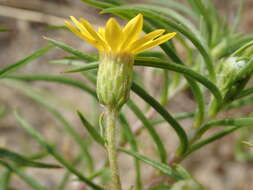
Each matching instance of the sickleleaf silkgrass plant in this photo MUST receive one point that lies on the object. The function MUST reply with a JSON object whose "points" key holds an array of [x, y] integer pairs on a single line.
{"points": [[216, 60], [117, 48]]}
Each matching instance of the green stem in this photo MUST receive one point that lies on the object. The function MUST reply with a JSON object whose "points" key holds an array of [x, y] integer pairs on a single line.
{"points": [[111, 117]]}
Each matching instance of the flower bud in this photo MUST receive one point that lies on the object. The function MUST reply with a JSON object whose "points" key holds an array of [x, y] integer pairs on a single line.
{"points": [[114, 79], [228, 73], [233, 75]]}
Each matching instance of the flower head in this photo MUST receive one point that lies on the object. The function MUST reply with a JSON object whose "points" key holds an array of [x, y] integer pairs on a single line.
{"points": [[117, 47], [116, 39]]}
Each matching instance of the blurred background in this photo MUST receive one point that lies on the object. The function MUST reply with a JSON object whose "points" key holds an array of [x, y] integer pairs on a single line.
{"points": [[224, 165]]}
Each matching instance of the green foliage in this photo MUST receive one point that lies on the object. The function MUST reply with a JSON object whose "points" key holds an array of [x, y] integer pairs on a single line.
{"points": [[187, 182], [161, 167], [248, 144], [4, 29], [91, 129], [218, 63], [22, 160], [28, 179], [75, 52], [157, 140], [23, 62], [186, 185], [51, 150]]}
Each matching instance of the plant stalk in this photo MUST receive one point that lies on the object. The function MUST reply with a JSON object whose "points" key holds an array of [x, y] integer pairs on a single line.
{"points": [[111, 118]]}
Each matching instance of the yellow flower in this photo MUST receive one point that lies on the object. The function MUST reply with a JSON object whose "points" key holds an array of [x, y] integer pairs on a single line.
{"points": [[117, 47], [119, 40]]}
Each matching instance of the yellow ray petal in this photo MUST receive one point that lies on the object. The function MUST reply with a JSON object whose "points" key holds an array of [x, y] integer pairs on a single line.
{"points": [[148, 37], [154, 43], [81, 27], [92, 32], [113, 34], [82, 36], [76, 31], [87, 30], [132, 30]]}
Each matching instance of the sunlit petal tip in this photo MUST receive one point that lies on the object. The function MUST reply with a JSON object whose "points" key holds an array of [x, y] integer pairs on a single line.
{"points": [[139, 16], [154, 43], [85, 22], [75, 20], [154, 34], [139, 19], [161, 31], [67, 23], [72, 18], [70, 26], [112, 24], [136, 18], [136, 21], [131, 31], [169, 35], [165, 37], [89, 30], [112, 20], [173, 34]]}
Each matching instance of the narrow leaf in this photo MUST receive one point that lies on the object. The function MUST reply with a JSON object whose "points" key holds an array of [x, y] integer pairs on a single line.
{"points": [[239, 103], [83, 68], [152, 62], [22, 160], [245, 92], [67, 62], [91, 129], [71, 50], [69, 128], [28, 179], [161, 167], [163, 112], [176, 6], [5, 177], [210, 139], [98, 4], [248, 144], [54, 78], [248, 121], [51, 150], [160, 146], [23, 62]]}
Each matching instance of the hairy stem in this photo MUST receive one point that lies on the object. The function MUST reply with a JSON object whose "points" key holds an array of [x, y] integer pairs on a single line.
{"points": [[111, 117]]}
